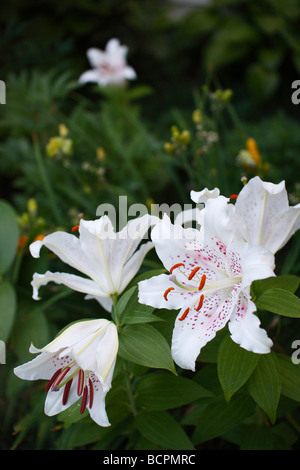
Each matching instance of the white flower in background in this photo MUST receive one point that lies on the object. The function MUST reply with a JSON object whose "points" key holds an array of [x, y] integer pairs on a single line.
{"points": [[261, 215], [109, 67], [209, 281], [109, 259], [78, 365]]}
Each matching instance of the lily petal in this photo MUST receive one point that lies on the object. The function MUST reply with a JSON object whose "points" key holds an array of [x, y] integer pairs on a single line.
{"points": [[245, 330], [72, 281], [263, 216]]}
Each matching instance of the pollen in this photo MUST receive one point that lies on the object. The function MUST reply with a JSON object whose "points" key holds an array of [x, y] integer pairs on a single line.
{"points": [[167, 291], [184, 315], [66, 391], [202, 282], [200, 303], [175, 266], [75, 228], [84, 399], [193, 273]]}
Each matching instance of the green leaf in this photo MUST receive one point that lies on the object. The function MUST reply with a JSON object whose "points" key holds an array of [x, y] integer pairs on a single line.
{"points": [[161, 391], [264, 385], [289, 282], [7, 309], [143, 344], [130, 311], [162, 429], [219, 417], [235, 365], [289, 377], [279, 301], [9, 236], [256, 438]]}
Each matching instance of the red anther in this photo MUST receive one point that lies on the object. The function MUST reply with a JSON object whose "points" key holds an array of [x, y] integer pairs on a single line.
{"points": [[233, 196], [91, 393], [80, 382], [167, 291], [200, 303], [195, 270], [75, 228], [183, 316], [49, 384], [175, 266], [202, 282], [66, 392], [84, 399]]}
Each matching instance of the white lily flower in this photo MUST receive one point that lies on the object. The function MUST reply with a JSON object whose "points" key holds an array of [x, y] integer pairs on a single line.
{"points": [[261, 214], [209, 281], [79, 365], [109, 259], [109, 66]]}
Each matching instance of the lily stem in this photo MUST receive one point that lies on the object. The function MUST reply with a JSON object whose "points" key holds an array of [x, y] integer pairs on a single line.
{"points": [[129, 390]]}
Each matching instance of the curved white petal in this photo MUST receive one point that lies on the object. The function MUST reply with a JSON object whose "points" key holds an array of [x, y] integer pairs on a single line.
{"points": [[96, 57], [200, 197], [80, 284], [92, 76], [256, 262], [132, 266], [40, 367], [98, 411], [263, 216], [129, 73], [70, 250], [245, 330]]}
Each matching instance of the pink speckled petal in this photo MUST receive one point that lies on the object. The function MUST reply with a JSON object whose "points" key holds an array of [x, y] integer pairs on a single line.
{"points": [[199, 327]]}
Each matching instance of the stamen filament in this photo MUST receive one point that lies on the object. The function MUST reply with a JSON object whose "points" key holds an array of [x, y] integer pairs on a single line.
{"points": [[176, 266], [183, 316], [167, 291]]}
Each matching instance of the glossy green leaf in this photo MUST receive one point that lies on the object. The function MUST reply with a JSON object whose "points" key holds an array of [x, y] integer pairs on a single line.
{"points": [[9, 236], [130, 311], [235, 365], [144, 345], [264, 385], [279, 301], [7, 309], [162, 391], [289, 282], [162, 429]]}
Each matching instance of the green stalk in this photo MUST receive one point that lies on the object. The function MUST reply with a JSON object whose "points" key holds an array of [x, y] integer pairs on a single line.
{"points": [[46, 181]]}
